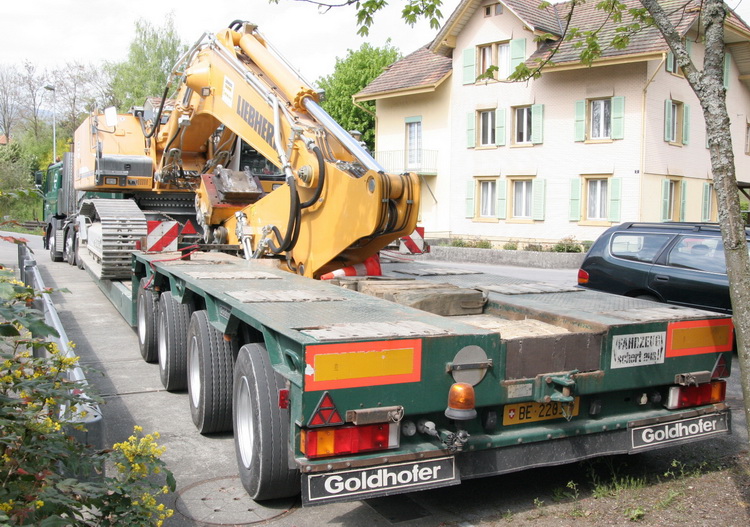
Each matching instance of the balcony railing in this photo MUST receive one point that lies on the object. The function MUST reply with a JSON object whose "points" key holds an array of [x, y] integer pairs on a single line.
{"points": [[422, 162]]}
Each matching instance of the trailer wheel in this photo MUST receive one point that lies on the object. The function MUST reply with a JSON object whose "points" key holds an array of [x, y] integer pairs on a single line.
{"points": [[53, 254], [147, 308], [261, 428], [69, 249], [209, 365], [172, 342]]}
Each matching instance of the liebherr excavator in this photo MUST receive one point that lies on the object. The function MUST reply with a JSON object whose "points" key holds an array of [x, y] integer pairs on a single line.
{"points": [[270, 171]]}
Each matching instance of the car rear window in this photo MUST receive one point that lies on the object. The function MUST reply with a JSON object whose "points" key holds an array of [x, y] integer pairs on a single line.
{"points": [[702, 254], [638, 247]]}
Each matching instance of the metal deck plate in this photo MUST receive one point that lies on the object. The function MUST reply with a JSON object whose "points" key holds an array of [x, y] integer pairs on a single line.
{"points": [[434, 271], [656, 313], [373, 330], [294, 295], [232, 275], [530, 288]]}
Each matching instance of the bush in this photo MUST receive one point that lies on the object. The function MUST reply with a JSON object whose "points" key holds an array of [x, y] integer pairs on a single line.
{"points": [[458, 242], [482, 244], [49, 478], [534, 247], [510, 246], [567, 245]]}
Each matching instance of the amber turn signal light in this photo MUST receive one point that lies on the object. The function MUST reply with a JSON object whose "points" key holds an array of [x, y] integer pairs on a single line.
{"points": [[461, 402]]}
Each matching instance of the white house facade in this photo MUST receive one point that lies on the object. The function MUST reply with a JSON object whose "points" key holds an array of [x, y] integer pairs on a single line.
{"points": [[569, 153]]}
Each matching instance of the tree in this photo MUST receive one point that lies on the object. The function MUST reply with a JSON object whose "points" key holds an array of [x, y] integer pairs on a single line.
{"points": [[632, 16], [153, 53], [10, 101], [32, 86], [349, 76]]}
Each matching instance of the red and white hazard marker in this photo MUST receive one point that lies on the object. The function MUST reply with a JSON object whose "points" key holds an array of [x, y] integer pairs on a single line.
{"points": [[162, 236]]}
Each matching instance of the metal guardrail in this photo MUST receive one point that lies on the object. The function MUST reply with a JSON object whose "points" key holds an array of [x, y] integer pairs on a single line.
{"points": [[88, 415]]}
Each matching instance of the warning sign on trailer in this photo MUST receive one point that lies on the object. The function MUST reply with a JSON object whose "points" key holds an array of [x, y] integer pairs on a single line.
{"points": [[639, 349]]}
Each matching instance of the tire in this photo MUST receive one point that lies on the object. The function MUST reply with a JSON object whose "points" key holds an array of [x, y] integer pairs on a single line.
{"points": [[79, 260], [209, 364], [172, 342], [53, 255], [69, 249], [147, 309], [261, 428]]}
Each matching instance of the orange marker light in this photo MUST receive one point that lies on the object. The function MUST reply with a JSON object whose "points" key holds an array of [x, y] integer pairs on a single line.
{"points": [[461, 402]]}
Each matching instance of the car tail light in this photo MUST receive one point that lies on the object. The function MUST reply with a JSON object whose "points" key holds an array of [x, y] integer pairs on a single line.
{"points": [[688, 396], [583, 277], [340, 440]]}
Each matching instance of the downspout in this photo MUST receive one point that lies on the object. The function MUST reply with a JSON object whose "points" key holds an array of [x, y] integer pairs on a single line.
{"points": [[643, 127]]}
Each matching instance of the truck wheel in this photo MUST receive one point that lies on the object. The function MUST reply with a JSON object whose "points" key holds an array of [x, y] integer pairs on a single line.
{"points": [[79, 260], [172, 342], [147, 306], [53, 254], [209, 365], [261, 428], [69, 251]]}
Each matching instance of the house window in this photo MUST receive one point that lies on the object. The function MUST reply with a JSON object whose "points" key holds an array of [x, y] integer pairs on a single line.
{"points": [[522, 194], [487, 128], [596, 197], [493, 9], [522, 125], [494, 61], [747, 139], [487, 198], [676, 122], [673, 199], [414, 144], [601, 119]]}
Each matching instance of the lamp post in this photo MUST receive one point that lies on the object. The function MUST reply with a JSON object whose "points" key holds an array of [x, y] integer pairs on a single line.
{"points": [[54, 118]]}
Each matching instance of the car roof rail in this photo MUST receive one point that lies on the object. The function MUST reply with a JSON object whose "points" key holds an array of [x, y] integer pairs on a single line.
{"points": [[675, 225]]}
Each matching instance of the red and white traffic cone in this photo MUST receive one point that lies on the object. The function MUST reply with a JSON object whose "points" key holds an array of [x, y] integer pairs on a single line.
{"points": [[370, 267]]}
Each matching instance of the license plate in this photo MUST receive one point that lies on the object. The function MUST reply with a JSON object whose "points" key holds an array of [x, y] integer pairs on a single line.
{"points": [[364, 483], [648, 436], [519, 413]]}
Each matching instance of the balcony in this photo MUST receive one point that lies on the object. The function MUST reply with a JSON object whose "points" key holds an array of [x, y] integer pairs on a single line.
{"points": [[422, 162]]}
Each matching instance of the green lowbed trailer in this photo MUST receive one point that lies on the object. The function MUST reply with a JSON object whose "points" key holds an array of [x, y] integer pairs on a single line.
{"points": [[365, 387]]}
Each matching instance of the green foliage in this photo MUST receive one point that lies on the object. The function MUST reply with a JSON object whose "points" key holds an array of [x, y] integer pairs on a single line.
{"points": [[534, 247], [144, 74], [349, 76], [567, 245], [635, 514], [18, 199], [47, 476], [510, 246], [472, 244]]}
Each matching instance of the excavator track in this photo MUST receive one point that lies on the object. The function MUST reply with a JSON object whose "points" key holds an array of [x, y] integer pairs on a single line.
{"points": [[115, 229]]}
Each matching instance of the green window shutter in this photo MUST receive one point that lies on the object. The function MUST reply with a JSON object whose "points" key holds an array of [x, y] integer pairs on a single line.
{"points": [[470, 192], [517, 52], [670, 65], [537, 123], [471, 129], [706, 203], [727, 69], [415, 119], [500, 127], [470, 71], [618, 117], [538, 191], [580, 124], [501, 191], [666, 214], [685, 124], [575, 200], [683, 200], [667, 119], [689, 48], [615, 199]]}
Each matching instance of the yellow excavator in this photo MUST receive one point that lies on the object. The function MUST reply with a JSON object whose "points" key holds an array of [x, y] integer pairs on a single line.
{"points": [[244, 144]]}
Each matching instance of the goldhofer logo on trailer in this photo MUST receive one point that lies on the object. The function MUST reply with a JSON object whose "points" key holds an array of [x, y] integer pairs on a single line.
{"points": [[369, 482], [646, 436]]}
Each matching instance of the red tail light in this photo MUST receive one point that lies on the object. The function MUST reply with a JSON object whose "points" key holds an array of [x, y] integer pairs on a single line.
{"points": [[689, 396], [583, 277], [340, 440]]}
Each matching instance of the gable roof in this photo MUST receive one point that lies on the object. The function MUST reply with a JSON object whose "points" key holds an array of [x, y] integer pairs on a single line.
{"points": [[420, 72]]}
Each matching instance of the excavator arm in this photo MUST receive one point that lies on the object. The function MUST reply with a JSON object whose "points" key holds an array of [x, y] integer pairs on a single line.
{"points": [[333, 205]]}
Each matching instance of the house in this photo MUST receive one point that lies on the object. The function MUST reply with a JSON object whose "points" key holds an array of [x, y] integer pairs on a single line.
{"points": [[567, 154]]}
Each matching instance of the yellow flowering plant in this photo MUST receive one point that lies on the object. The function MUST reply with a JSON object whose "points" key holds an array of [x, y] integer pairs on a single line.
{"points": [[48, 477]]}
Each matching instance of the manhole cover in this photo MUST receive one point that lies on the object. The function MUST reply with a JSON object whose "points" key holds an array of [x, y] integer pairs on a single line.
{"points": [[223, 501]]}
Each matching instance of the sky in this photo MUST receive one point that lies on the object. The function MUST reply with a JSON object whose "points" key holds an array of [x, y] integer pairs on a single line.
{"points": [[50, 33]]}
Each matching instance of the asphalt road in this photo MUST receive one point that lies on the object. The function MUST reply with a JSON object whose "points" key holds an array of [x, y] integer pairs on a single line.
{"points": [[209, 493]]}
